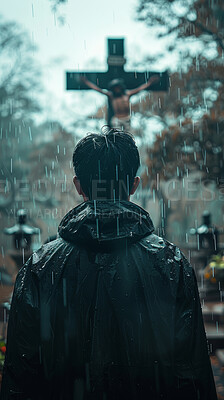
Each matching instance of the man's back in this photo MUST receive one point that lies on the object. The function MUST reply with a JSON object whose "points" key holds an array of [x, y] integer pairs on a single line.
{"points": [[109, 310]]}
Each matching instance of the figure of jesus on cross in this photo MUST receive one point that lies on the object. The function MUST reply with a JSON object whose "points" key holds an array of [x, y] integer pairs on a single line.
{"points": [[117, 84], [118, 98]]}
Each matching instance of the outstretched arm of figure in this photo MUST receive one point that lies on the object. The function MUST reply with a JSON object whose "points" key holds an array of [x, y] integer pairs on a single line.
{"points": [[93, 86], [151, 81]]}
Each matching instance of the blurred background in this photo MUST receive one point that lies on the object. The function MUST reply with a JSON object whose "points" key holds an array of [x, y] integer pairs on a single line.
{"points": [[180, 131]]}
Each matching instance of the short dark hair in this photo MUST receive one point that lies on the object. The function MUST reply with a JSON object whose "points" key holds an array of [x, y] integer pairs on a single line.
{"points": [[106, 164]]}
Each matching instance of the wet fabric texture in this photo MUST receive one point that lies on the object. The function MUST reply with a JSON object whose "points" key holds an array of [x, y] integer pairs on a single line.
{"points": [[107, 311]]}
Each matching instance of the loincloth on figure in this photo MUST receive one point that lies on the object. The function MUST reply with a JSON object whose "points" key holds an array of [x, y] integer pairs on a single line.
{"points": [[121, 123]]}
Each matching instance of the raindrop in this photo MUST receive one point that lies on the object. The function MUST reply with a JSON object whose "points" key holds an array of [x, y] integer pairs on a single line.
{"points": [[116, 172], [118, 232], [114, 195], [140, 318], [30, 134], [156, 246], [97, 228], [106, 140], [154, 196]]}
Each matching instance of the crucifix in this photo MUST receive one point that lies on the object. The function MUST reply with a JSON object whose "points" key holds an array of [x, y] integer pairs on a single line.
{"points": [[117, 84]]}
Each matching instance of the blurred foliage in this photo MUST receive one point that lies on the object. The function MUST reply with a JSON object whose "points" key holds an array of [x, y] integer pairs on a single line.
{"points": [[35, 160], [19, 72], [56, 3], [19, 88], [55, 7], [30, 153], [192, 110], [202, 19]]}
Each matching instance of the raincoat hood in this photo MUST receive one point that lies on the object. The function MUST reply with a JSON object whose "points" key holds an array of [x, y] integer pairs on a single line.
{"points": [[105, 222]]}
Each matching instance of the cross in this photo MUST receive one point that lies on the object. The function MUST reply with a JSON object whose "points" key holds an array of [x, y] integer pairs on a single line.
{"points": [[116, 62]]}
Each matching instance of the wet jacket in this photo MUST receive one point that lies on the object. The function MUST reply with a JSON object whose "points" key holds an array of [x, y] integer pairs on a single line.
{"points": [[108, 311]]}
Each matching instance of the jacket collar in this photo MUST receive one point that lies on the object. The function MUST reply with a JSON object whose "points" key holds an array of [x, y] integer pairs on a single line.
{"points": [[105, 221]]}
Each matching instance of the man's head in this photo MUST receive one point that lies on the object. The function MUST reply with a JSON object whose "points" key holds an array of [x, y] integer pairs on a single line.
{"points": [[105, 165], [117, 87]]}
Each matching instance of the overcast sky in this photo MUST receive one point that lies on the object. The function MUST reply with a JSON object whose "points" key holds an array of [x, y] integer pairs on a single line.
{"points": [[79, 44]]}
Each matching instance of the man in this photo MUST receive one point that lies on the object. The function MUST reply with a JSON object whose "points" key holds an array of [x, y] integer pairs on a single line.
{"points": [[118, 97], [108, 310]]}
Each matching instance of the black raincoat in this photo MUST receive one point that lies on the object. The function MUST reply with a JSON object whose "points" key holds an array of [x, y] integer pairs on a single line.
{"points": [[108, 311]]}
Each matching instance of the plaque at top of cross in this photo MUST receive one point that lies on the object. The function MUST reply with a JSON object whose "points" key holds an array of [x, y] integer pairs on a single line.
{"points": [[130, 82]]}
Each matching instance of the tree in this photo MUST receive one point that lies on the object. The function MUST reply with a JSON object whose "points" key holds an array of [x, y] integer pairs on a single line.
{"points": [[18, 82], [185, 21], [192, 112], [192, 139], [19, 88]]}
